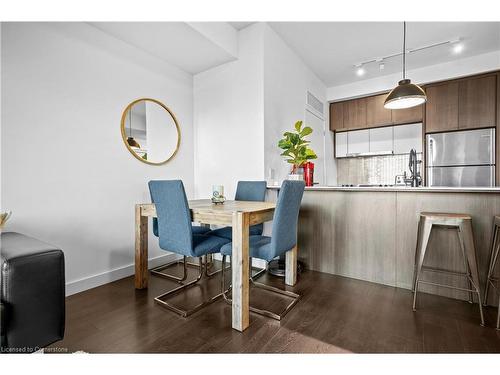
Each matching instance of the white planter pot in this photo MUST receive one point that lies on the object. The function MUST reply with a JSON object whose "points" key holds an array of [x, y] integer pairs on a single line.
{"points": [[294, 177]]}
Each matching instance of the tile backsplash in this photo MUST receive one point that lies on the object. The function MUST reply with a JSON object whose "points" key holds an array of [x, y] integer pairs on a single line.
{"points": [[373, 169]]}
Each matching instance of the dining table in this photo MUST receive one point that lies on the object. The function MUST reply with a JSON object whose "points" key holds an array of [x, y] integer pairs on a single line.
{"points": [[240, 215]]}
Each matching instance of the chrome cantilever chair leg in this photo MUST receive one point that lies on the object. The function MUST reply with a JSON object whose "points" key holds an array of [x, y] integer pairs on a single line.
{"points": [[185, 313], [157, 271], [259, 273], [210, 264], [295, 297]]}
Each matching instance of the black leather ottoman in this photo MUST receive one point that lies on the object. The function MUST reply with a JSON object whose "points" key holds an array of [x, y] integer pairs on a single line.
{"points": [[32, 294]]}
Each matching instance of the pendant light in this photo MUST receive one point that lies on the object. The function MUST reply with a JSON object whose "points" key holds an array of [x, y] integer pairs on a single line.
{"points": [[130, 140], [405, 94]]}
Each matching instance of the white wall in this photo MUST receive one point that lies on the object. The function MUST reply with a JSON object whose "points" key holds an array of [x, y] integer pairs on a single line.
{"points": [[66, 174], [286, 82], [439, 72], [161, 133], [229, 118], [243, 108]]}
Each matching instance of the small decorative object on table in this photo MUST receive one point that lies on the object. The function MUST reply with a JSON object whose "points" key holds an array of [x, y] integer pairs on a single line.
{"points": [[297, 152], [4, 216], [218, 194]]}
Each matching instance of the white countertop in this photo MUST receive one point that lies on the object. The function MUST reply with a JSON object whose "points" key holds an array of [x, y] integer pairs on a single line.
{"points": [[402, 189]]}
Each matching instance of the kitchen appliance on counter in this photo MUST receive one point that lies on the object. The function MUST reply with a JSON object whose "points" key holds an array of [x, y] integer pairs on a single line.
{"points": [[461, 158]]}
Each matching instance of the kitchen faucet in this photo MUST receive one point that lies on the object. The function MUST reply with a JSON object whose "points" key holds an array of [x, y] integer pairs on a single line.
{"points": [[415, 179]]}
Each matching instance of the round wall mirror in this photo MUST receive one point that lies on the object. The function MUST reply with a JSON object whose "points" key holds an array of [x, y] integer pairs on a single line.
{"points": [[150, 131]]}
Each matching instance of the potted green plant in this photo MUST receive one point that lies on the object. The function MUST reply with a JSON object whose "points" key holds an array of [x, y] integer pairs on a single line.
{"points": [[296, 150]]}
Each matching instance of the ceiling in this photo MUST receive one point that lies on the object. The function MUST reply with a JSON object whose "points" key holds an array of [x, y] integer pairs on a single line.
{"points": [[174, 42], [240, 25], [331, 49]]}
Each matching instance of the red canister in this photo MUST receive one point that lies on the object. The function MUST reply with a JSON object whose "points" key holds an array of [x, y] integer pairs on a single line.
{"points": [[309, 173]]}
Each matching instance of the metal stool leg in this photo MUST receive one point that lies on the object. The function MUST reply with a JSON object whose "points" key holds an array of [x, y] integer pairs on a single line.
{"points": [[466, 265], [423, 240], [495, 248], [498, 314], [466, 232], [417, 247]]}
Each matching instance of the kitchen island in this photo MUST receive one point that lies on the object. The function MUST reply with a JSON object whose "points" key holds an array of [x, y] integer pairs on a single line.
{"points": [[370, 233]]}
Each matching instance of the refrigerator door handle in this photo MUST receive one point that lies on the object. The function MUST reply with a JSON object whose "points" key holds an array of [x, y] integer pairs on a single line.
{"points": [[430, 180], [492, 148], [431, 151]]}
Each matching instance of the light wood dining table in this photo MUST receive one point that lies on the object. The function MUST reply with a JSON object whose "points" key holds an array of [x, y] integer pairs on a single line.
{"points": [[240, 215]]}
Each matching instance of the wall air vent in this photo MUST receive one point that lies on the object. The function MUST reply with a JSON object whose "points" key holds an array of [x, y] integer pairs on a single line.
{"points": [[315, 105]]}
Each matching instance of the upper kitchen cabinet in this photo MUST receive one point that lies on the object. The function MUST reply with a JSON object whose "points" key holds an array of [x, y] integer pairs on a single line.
{"points": [[354, 113], [336, 116], [477, 102], [467, 103], [358, 142], [408, 115], [381, 140], [407, 137], [441, 109], [376, 114], [341, 145], [464, 103]]}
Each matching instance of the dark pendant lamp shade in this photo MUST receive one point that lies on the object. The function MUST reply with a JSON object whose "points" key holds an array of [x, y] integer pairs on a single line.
{"points": [[133, 143], [405, 94]]}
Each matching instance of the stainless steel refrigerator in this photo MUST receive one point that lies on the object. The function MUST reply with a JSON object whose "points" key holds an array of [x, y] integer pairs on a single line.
{"points": [[461, 158]]}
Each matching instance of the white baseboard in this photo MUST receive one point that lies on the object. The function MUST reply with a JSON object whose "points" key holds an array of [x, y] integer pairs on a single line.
{"points": [[93, 281]]}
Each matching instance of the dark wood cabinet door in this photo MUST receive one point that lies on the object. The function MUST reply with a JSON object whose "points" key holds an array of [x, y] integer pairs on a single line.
{"points": [[441, 109], [376, 114], [477, 102], [336, 116], [355, 114], [408, 115]]}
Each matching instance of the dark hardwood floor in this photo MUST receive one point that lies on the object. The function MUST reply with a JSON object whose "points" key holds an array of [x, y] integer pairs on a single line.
{"points": [[335, 315]]}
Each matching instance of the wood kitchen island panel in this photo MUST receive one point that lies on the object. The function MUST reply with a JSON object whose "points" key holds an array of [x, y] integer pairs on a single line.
{"points": [[371, 235], [333, 235]]}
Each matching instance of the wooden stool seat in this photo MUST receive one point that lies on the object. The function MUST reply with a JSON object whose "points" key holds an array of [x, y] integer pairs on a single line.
{"points": [[463, 224], [441, 215], [491, 280]]}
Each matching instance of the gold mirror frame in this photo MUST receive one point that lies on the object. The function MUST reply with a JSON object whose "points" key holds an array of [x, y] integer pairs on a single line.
{"points": [[124, 134]]}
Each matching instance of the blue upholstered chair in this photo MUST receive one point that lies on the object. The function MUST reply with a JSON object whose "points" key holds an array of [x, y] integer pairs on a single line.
{"points": [[175, 234], [246, 191], [284, 238], [158, 271], [197, 229]]}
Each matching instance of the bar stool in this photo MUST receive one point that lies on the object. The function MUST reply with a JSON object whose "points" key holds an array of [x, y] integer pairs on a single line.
{"points": [[495, 250], [463, 223]]}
